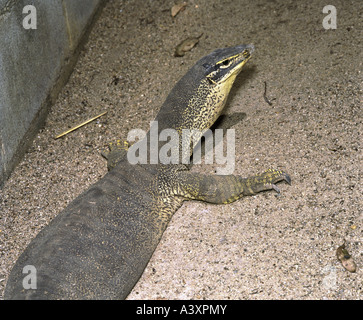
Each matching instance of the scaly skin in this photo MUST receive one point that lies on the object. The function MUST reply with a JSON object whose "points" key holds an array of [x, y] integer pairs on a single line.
{"points": [[98, 247]]}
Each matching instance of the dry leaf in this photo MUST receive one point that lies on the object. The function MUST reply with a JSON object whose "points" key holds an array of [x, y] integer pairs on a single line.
{"points": [[346, 259], [186, 45], [177, 8]]}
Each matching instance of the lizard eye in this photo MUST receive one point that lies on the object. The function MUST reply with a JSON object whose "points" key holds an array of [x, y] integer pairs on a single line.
{"points": [[225, 63]]}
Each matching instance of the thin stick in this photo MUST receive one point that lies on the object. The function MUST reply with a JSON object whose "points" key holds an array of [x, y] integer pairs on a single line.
{"points": [[264, 95], [80, 125]]}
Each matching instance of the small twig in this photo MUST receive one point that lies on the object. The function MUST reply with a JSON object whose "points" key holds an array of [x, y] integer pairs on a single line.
{"points": [[264, 95], [80, 125]]}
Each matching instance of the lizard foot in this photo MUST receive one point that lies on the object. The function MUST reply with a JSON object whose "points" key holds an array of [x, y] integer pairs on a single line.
{"points": [[117, 152], [267, 181]]}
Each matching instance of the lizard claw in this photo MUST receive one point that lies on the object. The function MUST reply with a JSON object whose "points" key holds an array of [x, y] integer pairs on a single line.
{"points": [[276, 176], [273, 186], [287, 178], [267, 181]]}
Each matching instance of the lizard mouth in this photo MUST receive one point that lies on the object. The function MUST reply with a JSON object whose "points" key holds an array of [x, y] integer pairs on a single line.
{"points": [[245, 56], [247, 53]]}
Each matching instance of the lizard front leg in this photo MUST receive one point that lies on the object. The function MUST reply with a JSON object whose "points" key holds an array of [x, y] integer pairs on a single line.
{"points": [[228, 188]]}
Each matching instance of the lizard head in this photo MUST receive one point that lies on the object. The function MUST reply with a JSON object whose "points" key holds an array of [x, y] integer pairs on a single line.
{"points": [[198, 98], [212, 78], [223, 65]]}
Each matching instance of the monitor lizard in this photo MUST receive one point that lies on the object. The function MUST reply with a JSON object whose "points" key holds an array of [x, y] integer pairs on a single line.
{"points": [[100, 244]]}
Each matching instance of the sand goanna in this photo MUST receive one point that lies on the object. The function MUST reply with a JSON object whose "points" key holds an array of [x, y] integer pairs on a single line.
{"points": [[100, 244]]}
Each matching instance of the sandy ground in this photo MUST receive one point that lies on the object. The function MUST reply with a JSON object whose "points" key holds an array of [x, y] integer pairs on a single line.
{"points": [[261, 247]]}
